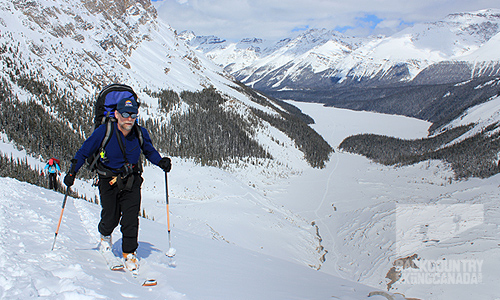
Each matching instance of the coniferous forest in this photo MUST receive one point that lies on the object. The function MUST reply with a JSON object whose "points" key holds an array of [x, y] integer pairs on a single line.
{"points": [[48, 121], [53, 123], [476, 156], [205, 132], [209, 134]]}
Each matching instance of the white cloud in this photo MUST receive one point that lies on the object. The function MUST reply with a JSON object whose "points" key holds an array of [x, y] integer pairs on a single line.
{"points": [[274, 19]]}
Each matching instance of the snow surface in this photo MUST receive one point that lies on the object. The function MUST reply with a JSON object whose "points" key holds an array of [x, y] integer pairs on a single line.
{"points": [[247, 233], [206, 269]]}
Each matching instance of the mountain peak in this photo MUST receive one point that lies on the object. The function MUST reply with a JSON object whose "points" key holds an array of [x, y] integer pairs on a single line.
{"points": [[186, 35], [203, 41], [483, 13], [251, 41], [457, 37]]}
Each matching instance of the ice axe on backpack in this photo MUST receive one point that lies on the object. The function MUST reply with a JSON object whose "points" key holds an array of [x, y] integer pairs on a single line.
{"points": [[171, 251]]}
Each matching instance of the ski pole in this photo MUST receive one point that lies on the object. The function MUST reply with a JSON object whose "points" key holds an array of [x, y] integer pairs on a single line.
{"points": [[171, 251], [60, 217], [73, 161]]}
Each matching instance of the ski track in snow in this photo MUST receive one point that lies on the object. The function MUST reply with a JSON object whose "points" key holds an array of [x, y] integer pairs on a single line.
{"points": [[75, 270], [320, 219], [89, 221], [33, 255]]}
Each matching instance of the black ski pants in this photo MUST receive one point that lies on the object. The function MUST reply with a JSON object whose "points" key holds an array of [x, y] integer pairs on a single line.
{"points": [[121, 206], [53, 181]]}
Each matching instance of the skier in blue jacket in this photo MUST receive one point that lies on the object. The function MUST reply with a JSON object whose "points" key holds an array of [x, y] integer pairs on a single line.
{"points": [[120, 177], [52, 167]]}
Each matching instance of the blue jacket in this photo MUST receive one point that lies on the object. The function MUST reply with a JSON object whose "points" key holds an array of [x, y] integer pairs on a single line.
{"points": [[52, 168], [115, 159]]}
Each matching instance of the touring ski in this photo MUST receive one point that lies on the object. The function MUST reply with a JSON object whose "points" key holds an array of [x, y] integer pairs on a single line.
{"points": [[113, 262], [132, 265], [141, 278], [116, 264]]}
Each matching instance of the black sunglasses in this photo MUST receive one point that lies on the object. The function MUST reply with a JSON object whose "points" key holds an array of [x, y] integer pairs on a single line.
{"points": [[126, 115]]}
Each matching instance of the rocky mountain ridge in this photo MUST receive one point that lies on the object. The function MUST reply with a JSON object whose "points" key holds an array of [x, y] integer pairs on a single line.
{"points": [[335, 59], [408, 73], [56, 56]]}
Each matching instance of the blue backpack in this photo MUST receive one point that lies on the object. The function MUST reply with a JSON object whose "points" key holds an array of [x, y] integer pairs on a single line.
{"points": [[107, 100], [104, 113]]}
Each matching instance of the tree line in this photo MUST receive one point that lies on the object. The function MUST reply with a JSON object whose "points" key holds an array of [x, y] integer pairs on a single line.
{"points": [[53, 123], [209, 134], [476, 156]]}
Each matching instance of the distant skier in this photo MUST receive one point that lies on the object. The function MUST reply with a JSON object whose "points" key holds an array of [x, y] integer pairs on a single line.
{"points": [[53, 169], [120, 177]]}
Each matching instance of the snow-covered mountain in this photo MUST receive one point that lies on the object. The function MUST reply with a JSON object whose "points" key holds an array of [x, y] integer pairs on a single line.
{"points": [[331, 58], [278, 228], [73, 48]]}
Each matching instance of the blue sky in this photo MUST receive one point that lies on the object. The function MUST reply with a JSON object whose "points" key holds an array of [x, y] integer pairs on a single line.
{"points": [[275, 19], [368, 22]]}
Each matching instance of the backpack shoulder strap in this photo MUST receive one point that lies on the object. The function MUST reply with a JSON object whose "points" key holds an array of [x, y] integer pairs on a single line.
{"points": [[109, 132], [105, 140]]}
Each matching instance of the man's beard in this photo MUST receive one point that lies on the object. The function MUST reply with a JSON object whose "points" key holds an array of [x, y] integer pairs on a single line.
{"points": [[127, 126]]}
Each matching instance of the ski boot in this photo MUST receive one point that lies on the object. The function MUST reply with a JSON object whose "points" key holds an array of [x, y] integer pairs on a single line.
{"points": [[131, 262], [106, 244]]}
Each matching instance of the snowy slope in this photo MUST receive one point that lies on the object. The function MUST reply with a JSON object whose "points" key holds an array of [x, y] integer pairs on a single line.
{"points": [[487, 52], [135, 47], [206, 269], [282, 219], [363, 206], [236, 225]]}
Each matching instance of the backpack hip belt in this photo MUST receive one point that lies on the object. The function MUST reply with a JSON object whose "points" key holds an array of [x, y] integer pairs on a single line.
{"points": [[123, 177], [105, 172]]}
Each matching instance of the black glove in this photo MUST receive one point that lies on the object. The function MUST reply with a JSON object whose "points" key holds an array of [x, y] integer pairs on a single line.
{"points": [[165, 163], [69, 179]]}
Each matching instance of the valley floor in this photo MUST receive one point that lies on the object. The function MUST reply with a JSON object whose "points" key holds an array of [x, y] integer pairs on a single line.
{"points": [[369, 215]]}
